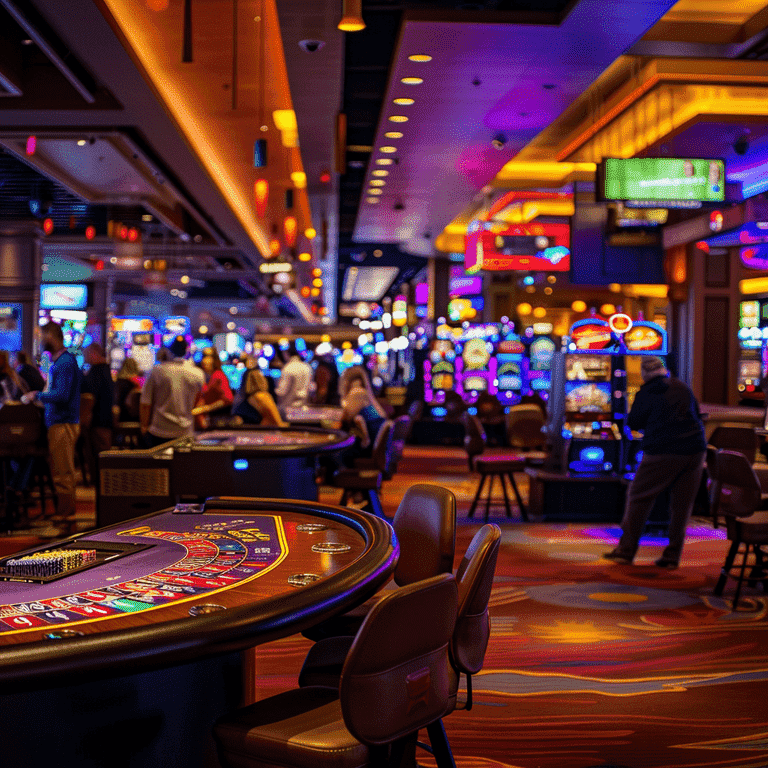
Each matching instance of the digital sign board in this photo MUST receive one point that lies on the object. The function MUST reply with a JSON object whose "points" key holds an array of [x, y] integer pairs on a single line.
{"points": [[527, 247], [63, 296], [662, 179]]}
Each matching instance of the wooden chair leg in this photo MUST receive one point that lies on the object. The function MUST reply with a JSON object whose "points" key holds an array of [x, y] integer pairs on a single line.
{"points": [[726, 569], [473, 506], [488, 499], [518, 496], [740, 581], [506, 498]]}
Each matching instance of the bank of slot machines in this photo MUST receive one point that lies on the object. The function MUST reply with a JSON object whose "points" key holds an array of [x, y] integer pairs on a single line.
{"points": [[511, 368], [753, 348], [137, 337], [540, 352]]}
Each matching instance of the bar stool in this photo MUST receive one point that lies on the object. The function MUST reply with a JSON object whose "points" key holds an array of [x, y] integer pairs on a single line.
{"points": [[490, 467]]}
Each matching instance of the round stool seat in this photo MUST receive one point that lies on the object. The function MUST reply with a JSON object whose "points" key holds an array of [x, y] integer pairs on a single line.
{"points": [[499, 464]]}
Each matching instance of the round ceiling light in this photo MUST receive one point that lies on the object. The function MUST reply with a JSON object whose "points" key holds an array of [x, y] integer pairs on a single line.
{"points": [[393, 135], [397, 119], [384, 161], [411, 80], [372, 200], [419, 57], [379, 172], [375, 191], [388, 150], [403, 102], [377, 182]]}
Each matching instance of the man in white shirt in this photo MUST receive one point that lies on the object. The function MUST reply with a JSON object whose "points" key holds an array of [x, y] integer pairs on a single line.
{"points": [[295, 382], [168, 397]]}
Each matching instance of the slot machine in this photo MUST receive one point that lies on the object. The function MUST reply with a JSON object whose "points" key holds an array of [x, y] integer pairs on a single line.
{"points": [[132, 337], [476, 365], [541, 349], [752, 340], [440, 366], [511, 368]]}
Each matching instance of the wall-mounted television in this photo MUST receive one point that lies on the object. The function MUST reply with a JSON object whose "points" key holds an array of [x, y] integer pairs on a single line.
{"points": [[64, 296], [661, 179]]}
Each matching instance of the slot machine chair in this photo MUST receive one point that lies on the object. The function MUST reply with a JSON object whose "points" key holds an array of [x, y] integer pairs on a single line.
{"points": [[740, 502], [491, 466], [524, 423]]}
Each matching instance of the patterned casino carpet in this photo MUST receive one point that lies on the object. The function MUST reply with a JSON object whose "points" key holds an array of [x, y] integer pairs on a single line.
{"points": [[592, 663]]}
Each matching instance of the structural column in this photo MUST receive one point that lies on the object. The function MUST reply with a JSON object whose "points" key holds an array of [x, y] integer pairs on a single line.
{"points": [[20, 273]]}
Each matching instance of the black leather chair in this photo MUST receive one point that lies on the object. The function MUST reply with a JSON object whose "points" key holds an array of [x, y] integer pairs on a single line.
{"points": [[739, 501], [425, 525], [395, 680]]}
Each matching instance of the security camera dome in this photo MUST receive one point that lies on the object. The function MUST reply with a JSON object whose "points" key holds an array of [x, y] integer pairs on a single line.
{"points": [[499, 141], [741, 145], [311, 46]]}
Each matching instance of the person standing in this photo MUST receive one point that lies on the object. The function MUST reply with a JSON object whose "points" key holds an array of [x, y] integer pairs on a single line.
{"points": [[61, 400], [295, 381], [674, 448], [168, 397], [98, 383]]}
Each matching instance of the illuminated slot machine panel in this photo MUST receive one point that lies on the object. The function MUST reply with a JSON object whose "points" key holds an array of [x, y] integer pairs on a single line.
{"points": [[477, 367], [439, 370], [511, 370], [595, 440], [540, 353]]}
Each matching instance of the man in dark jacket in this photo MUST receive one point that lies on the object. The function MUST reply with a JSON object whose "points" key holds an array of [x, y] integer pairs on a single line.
{"points": [[97, 383], [674, 448]]}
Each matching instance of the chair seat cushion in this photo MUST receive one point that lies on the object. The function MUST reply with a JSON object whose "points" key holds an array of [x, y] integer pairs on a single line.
{"points": [[301, 727], [750, 530], [509, 463], [357, 479]]}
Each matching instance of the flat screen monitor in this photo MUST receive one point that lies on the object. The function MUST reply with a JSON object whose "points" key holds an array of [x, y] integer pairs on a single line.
{"points": [[587, 397], [63, 296], [588, 368], [10, 326], [662, 178]]}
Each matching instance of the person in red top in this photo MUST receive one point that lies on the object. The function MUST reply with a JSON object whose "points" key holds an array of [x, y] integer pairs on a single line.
{"points": [[215, 401]]}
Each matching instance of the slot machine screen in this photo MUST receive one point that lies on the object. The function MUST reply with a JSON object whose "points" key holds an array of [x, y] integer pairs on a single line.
{"points": [[588, 368], [509, 373], [588, 397], [475, 384]]}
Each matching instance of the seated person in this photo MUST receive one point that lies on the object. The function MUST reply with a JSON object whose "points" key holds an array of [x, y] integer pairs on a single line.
{"points": [[215, 401], [362, 414], [128, 390], [254, 403], [12, 386]]}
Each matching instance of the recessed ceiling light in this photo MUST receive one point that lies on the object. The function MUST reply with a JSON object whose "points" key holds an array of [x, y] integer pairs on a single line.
{"points": [[384, 161], [378, 172], [372, 200], [412, 80], [375, 191], [403, 102], [81, 142], [419, 57], [378, 182], [388, 150], [397, 119], [393, 135]]}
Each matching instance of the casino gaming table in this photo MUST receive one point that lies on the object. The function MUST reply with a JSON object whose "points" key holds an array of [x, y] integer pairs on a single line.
{"points": [[128, 659], [269, 462]]}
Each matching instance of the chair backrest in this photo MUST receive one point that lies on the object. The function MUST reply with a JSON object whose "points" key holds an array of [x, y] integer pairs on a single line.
{"points": [[21, 427], [381, 445], [740, 494], [741, 439], [425, 525], [416, 410], [474, 578], [489, 408], [524, 423], [454, 405], [401, 427], [395, 678], [474, 436]]}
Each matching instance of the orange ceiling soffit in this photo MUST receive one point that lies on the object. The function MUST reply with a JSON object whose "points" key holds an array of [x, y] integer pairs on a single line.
{"points": [[668, 79], [534, 174]]}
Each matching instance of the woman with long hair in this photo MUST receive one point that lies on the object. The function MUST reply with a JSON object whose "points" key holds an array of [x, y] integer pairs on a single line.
{"points": [[362, 414], [127, 390], [12, 386], [215, 401], [256, 404]]}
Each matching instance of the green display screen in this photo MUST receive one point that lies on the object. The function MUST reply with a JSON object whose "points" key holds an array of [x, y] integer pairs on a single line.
{"points": [[665, 178]]}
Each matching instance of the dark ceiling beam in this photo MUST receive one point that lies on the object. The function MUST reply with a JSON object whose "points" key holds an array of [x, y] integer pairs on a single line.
{"points": [[44, 38]]}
